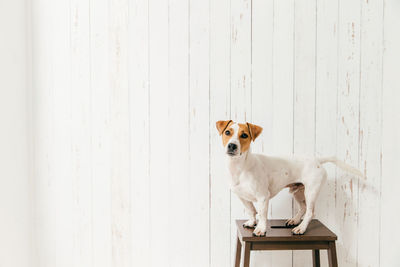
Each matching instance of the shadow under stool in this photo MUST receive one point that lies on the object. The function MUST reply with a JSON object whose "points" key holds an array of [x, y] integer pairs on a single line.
{"points": [[280, 237]]}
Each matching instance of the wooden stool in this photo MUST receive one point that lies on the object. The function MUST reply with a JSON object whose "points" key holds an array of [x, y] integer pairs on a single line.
{"points": [[280, 237]]}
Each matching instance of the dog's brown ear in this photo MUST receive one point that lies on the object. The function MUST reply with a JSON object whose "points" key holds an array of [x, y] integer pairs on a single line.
{"points": [[254, 130], [221, 126]]}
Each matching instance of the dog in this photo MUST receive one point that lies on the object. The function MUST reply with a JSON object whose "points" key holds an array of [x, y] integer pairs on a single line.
{"points": [[257, 178]]}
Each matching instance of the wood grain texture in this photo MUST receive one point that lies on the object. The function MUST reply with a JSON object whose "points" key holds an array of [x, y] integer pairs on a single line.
{"points": [[304, 92], [262, 87], [348, 129], [120, 134], [101, 134], [125, 98], [199, 132], [389, 240], [326, 107], [178, 120], [282, 120], [220, 208], [316, 231], [240, 82], [16, 184], [158, 120], [80, 133], [139, 108], [64, 200], [370, 132]]}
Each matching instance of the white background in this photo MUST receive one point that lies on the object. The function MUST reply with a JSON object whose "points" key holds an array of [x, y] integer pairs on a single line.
{"points": [[109, 154]]}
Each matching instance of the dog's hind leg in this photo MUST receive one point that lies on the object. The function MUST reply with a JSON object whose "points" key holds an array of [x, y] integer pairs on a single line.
{"points": [[311, 194], [298, 195]]}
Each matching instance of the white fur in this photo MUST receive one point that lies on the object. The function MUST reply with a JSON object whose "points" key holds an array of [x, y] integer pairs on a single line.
{"points": [[257, 178]]}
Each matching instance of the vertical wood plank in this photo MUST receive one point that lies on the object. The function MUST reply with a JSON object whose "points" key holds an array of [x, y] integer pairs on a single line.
{"points": [[390, 239], [178, 133], [159, 179], [43, 153], [282, 124], [120, 134], [240, 84], [304, 92], [326, 107], [262, 89], [80, 132], [304, 77], [348, 129], [220, 232], [139, 100], [101, 133], [199, 132], [16, 182], [370, 132], [241, 60], [64, 198]]}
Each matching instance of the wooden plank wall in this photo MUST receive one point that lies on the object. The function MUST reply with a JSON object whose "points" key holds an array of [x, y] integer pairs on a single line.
{"points": [[128, 166]]}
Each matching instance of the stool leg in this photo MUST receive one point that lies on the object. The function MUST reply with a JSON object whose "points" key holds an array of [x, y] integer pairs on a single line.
{"points": [[238, 252], [246, 254], [332, 255], [315, 258]]}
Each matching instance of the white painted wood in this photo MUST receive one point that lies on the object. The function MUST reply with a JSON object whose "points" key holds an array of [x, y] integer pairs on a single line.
{"points": [[282, 124], [348, 129], [80, 133], [199, 151], [262, 88], [139, 101], [240, 52], [220, 203], [326, 108], [43, 139], [158, 119], [179, 250], [370, 135], [389, 238], [62, 128], [125, 99], [120, 134], [304, 92], [16, 247], [101, 134]]}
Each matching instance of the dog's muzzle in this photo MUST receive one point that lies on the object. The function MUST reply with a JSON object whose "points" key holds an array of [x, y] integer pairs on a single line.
{"points": [[232, 149]]}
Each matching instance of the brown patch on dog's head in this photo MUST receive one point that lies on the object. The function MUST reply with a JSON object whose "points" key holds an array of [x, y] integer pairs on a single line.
{"points": [[225, 130], [244, 137], [221, 125], [240, 134], [255, 130]]}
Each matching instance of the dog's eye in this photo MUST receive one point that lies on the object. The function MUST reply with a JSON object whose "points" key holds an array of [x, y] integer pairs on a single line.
{"points": [[227, 132], [244, 135]]}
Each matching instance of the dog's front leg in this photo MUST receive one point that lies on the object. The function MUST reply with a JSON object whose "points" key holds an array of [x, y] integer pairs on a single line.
{"points": [[262, 209], [251, 211]]}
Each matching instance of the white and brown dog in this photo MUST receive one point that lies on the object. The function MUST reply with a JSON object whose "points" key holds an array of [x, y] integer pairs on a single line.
{"points": [[257, 178]]}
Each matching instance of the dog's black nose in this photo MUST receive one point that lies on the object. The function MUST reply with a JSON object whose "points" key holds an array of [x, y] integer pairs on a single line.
{"points": [[232, 147]]}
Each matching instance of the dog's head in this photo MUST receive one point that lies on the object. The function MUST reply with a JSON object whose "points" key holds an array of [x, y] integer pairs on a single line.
{"points": [[237, 137]]}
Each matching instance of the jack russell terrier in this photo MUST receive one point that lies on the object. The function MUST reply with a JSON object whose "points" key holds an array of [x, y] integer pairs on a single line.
{"points": [[257, 178]]}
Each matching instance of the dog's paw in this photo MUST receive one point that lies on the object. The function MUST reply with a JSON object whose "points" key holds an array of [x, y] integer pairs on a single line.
{"points": [[259, 231], [298, 230], [250, 224], [292, 222]]}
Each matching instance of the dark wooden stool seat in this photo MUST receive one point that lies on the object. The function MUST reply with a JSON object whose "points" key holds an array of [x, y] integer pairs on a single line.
{"points": [[279, 237]]}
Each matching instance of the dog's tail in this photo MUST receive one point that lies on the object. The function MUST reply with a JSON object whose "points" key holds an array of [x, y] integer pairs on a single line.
{"points": [[342, 165]]}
